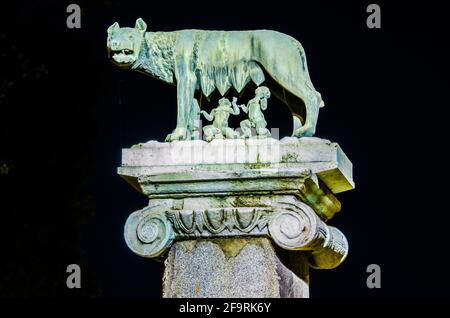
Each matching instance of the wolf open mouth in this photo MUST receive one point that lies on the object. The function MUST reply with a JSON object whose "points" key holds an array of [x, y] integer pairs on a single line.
{"points": [[123, 56]]}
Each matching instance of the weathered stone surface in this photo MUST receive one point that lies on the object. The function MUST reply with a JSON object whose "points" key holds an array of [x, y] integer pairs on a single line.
{"points": [[208, 201], [324, 158], [245, 267], [291, 286], [290, 223]]}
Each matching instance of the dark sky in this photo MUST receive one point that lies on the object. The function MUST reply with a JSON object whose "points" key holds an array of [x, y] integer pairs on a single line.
{"points": [[66, 112]]}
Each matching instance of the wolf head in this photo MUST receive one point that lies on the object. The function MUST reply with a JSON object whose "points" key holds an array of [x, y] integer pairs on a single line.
{"points": [[124, 44]]}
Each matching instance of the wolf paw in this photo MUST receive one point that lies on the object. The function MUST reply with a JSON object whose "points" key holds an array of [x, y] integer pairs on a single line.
{"points": [[178, 134], [304, 131]]}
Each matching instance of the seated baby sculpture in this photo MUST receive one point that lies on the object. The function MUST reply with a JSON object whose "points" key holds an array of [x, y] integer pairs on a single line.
{"points": [[255, 109], [219, 129]]}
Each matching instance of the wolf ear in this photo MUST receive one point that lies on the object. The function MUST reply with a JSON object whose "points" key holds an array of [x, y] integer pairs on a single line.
{"points": [[115, 26], [141, 25]]}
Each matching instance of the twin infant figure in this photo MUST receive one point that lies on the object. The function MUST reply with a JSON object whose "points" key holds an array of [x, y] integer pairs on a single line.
{"points": [[254, 109]]}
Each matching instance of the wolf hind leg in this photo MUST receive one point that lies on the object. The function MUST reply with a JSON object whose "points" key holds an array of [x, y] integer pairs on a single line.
{"points": [[312, 113]]}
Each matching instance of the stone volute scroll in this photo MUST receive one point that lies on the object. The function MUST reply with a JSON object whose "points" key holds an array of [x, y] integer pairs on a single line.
{"points": [[228, 205]]}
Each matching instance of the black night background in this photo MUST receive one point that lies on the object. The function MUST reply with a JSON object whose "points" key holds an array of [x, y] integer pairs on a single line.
{"points": [[66, 112]]}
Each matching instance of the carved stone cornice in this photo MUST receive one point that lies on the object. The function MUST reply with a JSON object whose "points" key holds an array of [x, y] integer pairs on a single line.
{"points": [[220, 222], [291, 224], [279, 189]]}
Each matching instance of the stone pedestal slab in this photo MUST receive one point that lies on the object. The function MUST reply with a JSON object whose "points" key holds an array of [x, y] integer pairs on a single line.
{"points": [[246, 196]]}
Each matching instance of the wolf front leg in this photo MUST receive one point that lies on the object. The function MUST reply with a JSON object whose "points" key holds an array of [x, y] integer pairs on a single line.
{"points": [[185, 94], [194, 124]]}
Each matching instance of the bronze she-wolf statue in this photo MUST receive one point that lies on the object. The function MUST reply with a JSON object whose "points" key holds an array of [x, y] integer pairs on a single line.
{"points": [[205, 60]]}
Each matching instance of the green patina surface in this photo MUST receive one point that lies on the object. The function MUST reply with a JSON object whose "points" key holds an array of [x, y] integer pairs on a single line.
{"points": [[289, 157], [209, 60]]}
